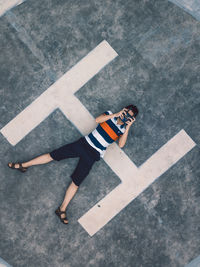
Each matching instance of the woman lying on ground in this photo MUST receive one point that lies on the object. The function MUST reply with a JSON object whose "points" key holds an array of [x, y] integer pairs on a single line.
{"points": [[91, 148]]}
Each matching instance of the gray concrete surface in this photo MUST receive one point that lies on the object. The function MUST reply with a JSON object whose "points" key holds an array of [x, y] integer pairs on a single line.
{"points": [[158, 70]]}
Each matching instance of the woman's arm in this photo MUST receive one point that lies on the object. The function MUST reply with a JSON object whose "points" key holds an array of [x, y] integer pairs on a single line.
{"points": [[123, 138], [104, 117]]}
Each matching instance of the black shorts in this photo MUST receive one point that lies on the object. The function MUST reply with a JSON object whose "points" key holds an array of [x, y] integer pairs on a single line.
{"points": [[84, 151]]}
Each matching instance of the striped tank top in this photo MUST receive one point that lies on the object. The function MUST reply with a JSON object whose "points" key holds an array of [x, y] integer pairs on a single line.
{"points": [[105, 134]]}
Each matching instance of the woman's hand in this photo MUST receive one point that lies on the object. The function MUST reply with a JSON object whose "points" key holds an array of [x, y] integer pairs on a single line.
{"points": [[121, 113], [130, 122]]}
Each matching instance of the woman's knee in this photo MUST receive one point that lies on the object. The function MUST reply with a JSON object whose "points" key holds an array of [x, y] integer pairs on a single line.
{"points": [[49, 156], [75, 185]]}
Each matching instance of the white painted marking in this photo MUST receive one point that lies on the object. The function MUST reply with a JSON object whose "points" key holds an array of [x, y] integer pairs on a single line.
{"points": [[82, 119], [194, 263], [4, 263], [30, 117], [5, 5], [190, 6], [59, 93], [136, 182]]}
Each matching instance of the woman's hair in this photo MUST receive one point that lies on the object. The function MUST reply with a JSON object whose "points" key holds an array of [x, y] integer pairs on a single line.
{"points": [[133, 108]]}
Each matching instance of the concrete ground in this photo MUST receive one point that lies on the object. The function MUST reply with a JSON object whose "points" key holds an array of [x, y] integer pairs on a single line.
{"points": [[157, 69]]}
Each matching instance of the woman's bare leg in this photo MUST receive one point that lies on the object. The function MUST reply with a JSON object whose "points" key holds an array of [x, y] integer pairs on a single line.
{"points": [[70, 192], [43, 159]]}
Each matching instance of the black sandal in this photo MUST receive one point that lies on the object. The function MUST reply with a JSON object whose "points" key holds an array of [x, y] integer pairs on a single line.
{"points": [[21, 168], [58, 212]]}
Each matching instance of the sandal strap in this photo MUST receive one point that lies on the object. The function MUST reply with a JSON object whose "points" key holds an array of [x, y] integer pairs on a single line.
{"points": [[60, 211], [64, 219], [21, 167]]}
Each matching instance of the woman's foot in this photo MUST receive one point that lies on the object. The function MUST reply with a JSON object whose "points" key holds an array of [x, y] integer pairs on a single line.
{"points": [[62, 215], [17, 166]]}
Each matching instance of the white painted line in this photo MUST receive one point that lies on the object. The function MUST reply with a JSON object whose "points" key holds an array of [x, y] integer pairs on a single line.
{"points": [[99, 215], [194, 263], [4, 263], [167, 155], [5, 5], [190, 6], [87, 68], [76, 112], [59, 93], [120, 163], [29, 118]]}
